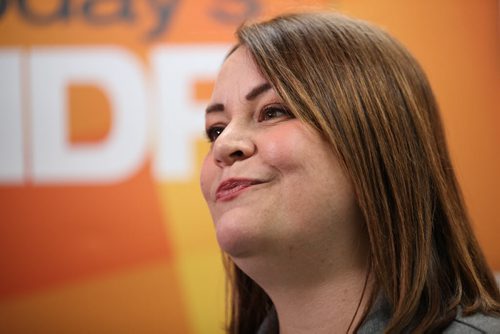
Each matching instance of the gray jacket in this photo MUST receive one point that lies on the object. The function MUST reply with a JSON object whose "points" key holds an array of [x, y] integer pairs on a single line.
{"points": [[478, 323], [379, 316]]}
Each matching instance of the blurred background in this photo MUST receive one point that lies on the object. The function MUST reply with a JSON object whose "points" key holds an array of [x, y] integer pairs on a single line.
{"points": [[102, 226]]}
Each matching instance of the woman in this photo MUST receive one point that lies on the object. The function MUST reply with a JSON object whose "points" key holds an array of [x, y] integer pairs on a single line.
{"points": [[332, 191]]}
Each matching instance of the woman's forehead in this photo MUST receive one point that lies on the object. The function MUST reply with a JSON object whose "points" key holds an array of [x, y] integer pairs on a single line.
{"points": [[238, 75]]}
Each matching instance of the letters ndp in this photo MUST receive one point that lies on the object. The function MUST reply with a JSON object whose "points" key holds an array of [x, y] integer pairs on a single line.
{"points": [[125, 83]]}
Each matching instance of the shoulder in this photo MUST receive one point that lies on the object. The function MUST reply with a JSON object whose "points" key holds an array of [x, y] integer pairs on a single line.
{"points": [[475, 323]]}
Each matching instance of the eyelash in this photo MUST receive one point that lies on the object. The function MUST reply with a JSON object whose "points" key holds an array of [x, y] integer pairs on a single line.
{"points": [[213, 132], [275, 108]]}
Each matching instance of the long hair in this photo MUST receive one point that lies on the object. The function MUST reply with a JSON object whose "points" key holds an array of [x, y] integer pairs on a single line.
{"points": [[368, 97]]}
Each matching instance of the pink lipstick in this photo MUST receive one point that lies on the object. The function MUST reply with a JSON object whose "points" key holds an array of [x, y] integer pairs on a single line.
{"points": [[231, 188]]}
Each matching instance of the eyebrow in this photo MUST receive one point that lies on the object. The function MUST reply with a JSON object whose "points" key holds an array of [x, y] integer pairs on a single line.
{"points": [[256, 91], [214, 107]]}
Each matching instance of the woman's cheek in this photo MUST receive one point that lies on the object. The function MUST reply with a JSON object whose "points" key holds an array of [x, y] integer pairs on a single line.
{"points": [[207, 176], [282, 146]]}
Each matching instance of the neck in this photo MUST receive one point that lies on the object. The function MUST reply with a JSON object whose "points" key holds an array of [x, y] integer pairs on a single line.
{"points": [[333, 307], [316, 294]]}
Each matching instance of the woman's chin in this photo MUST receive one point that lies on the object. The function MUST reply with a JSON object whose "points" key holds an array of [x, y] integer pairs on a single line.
{"points": [[237, 238]]}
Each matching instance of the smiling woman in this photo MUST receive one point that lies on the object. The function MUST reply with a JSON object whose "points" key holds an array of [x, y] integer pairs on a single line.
{"points": [[261, 178], [331, 189]]}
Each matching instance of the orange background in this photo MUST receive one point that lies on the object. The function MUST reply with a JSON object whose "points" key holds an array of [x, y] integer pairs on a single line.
{"points": [[139, 256]]}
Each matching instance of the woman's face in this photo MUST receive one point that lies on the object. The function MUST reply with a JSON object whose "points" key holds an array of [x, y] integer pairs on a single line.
{"points": [[272, 184]]}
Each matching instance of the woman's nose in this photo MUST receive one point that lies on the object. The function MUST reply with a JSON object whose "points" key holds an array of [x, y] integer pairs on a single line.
{"points": [[233, 144]]}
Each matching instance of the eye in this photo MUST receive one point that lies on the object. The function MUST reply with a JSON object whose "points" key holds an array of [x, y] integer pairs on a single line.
{"points": [[274, 111], [214, 132]]}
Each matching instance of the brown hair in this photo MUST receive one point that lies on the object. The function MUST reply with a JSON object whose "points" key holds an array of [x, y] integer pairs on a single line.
{"points": [[368, 97]]}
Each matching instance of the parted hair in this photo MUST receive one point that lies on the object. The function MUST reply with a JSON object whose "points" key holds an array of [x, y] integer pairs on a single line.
{"points": [[368, 97]]}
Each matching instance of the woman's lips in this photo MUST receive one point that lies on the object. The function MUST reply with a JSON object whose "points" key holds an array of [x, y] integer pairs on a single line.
{"points": [[231, 188]]}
